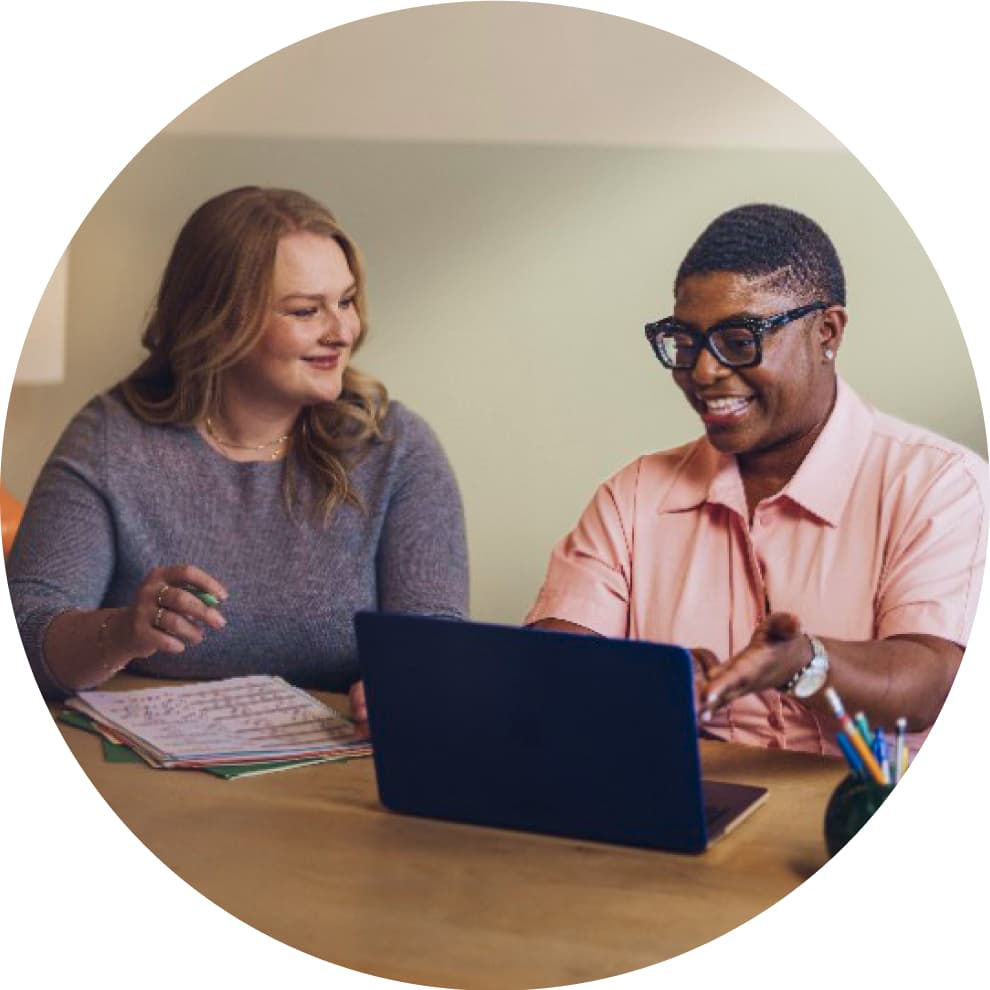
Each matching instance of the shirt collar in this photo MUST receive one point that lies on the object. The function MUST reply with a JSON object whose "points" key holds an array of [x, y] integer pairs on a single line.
{"points": [[703, 474], [821, 485], [825, 478]]}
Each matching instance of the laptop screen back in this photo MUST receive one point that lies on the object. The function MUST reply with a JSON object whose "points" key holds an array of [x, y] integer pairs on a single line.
{"points": [[549, 732]]}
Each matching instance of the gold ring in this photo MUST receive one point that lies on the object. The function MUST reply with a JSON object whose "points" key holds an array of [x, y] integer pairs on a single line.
{"points": [[158, 597], [157, 620]]}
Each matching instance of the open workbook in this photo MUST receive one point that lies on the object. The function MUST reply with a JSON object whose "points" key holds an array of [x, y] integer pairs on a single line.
{"points": [[238, 720]]}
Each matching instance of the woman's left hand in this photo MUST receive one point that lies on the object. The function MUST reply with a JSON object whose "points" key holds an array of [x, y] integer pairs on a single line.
{"points": [[777, 651], [359, 708]]}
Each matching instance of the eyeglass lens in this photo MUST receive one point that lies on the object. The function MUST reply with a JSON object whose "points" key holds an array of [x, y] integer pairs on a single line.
{"points": [[732, 346]]}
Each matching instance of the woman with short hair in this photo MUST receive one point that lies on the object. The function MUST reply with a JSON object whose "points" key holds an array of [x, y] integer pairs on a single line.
{"points": [[805, 540]]}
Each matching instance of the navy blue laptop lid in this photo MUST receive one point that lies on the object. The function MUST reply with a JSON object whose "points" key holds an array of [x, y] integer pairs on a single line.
{"points": [[550, 732]]}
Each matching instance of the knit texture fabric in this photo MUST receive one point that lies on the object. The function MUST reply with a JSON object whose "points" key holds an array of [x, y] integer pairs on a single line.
{"points": [[119, 497]]}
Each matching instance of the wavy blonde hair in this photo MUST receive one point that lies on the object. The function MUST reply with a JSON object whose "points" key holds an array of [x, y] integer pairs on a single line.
{"points": [[211, 310]]}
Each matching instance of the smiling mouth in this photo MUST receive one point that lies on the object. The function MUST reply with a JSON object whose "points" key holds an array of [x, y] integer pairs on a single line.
{"points": [[724, 410], [325, 362]]}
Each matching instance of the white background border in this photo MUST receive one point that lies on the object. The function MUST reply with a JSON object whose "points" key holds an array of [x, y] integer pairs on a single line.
{"points": [[87, 85]]}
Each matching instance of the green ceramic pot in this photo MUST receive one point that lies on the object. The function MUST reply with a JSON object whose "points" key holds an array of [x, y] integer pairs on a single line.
{"points": [[849, 809]]}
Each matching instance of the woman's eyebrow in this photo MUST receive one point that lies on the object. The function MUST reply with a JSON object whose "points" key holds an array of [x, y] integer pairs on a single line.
{"points": [[742, 315], [316, 296]]}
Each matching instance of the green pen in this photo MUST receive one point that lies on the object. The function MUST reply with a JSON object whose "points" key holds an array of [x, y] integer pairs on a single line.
{"points": [[204, 596], [864, 727]]}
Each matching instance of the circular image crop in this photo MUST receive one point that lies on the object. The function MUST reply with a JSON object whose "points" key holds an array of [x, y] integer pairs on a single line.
{"points": [[510, 314]]}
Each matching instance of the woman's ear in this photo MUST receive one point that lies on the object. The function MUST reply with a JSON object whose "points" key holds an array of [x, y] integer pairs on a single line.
{"points": [[832, 329]]}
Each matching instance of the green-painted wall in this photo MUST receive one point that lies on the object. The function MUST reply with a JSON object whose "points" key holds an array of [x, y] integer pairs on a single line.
{"points": [[509, 285]]}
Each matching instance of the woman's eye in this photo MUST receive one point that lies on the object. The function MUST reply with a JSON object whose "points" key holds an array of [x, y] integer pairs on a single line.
{"points": [[303, 314], [347, 303]]}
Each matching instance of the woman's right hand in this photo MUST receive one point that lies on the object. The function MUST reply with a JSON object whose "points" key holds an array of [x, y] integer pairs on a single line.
{"points": [[166, 618], [359, 709], [706, 666]]}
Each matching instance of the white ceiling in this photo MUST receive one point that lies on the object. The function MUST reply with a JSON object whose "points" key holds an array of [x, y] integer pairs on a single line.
{"points": [[505, 72]]}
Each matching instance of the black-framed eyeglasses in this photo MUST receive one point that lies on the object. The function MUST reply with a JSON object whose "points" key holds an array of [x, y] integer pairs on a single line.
{"points": [[735, 343]]}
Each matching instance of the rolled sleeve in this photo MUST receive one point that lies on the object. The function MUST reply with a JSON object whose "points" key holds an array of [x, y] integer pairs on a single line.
{"points": [[931, 582], [589, 575]]}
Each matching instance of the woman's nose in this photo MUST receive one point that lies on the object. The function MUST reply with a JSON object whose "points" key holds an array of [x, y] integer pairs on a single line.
{"points": [[708, 368], [334, 327]]}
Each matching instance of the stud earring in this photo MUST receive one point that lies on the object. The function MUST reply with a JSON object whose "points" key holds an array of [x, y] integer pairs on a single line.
{"points": [[829, 354]]}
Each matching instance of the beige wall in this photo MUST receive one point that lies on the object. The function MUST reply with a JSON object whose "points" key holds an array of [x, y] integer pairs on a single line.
{"points": [[510, 279], [505, 73]]}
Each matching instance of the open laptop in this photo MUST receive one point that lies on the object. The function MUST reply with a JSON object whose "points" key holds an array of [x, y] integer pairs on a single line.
{"points": [[565, 734]]}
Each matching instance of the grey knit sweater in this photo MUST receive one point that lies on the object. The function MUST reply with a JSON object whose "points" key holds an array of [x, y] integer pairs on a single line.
{"points": [[118, 497]]}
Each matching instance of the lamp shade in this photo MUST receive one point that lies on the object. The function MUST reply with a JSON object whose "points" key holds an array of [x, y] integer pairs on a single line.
{"points": [[43, 357], [10, 517]]}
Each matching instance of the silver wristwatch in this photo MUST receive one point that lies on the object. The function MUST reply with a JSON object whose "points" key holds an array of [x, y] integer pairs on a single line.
{"points": [[811, 678]]}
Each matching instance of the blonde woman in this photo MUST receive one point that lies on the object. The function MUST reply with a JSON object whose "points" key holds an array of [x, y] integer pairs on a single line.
{"points": [[247, 459]]}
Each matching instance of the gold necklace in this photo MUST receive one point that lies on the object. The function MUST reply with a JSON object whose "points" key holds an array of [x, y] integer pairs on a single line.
{"points": [[276, 443]]}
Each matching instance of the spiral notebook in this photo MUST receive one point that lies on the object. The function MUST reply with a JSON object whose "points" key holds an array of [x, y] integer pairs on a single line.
{"points": [[558, 733]]}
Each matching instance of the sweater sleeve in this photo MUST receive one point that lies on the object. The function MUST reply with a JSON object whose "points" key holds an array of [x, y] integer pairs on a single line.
{"points": [[422, 556], [63, 556]]}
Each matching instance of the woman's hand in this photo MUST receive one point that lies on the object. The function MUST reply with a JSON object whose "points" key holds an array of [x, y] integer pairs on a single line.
{"points": [[164, 617], [359, 709], [777, 651], [706, 666]]}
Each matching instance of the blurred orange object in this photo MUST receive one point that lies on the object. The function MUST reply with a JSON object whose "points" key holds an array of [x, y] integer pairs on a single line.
{"points": [[10, 517]]}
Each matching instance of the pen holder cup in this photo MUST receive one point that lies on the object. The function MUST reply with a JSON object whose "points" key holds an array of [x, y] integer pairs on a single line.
{"points": [[851, 806]]}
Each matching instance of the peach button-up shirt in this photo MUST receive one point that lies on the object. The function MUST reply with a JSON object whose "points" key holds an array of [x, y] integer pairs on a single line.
{"points": [[881, 531]]}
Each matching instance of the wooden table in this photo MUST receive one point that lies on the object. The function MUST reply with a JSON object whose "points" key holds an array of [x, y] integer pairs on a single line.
{"points": [[311, 858]]}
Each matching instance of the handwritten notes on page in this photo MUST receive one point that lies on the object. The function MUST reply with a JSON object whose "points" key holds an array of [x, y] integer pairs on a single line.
{"points": [[237, 720]]}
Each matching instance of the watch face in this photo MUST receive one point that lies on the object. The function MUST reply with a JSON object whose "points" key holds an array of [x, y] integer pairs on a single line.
{"points": [[811, 682]]}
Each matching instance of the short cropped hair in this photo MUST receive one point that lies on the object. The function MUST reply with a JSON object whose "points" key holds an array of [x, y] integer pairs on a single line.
{"points": [[760, 239]]}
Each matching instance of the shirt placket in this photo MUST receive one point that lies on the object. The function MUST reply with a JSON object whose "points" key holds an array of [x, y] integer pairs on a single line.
{"points": [[755, 534]]}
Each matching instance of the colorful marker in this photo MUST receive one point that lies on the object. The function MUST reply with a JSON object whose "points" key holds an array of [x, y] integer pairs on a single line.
{"points": [[900, 751], [881, 752], [864, 727], [872, 767], [852, 757], [204, 596]]}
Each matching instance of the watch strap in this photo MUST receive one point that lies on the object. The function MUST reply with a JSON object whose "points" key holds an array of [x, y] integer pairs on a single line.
{"points": [[818, 656]]}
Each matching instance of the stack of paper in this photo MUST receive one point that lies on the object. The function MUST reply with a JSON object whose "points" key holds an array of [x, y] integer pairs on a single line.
{"points": [[240, 720]]}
